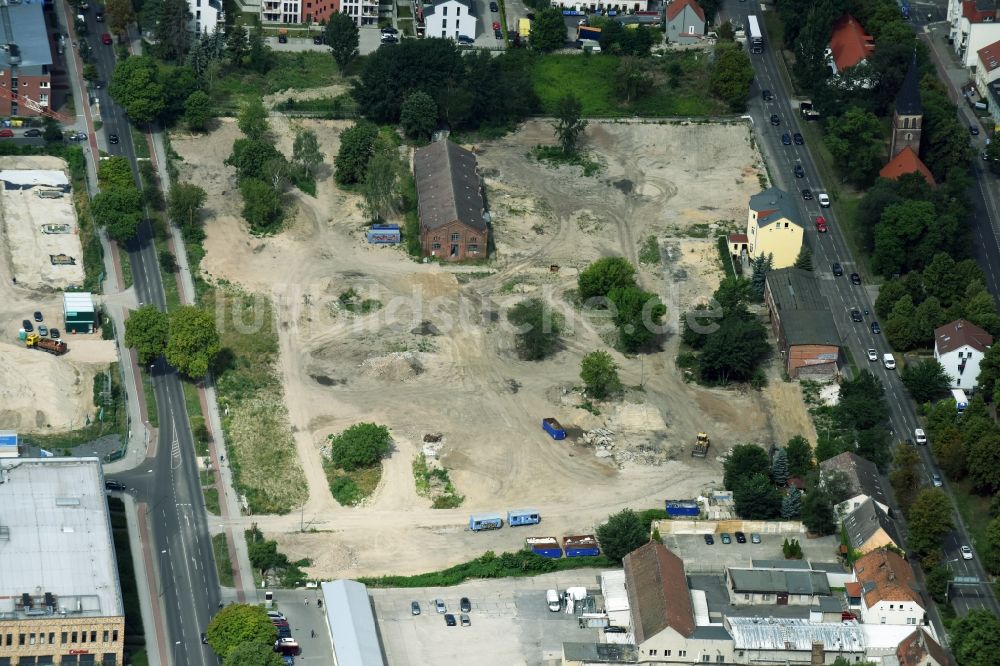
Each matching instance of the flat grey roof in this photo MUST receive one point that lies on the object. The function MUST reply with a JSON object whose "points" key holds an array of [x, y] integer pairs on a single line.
{"points": [[829, 605], [711, 632], [601, 653], [55, 536], [24, 25], [781, 564], [768, 633], [775, 580], [803, 309], [352, 623], [828, 567]]}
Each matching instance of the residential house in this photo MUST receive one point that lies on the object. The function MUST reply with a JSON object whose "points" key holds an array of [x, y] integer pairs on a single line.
{"points": [[320, 11], [869, 527], [849, 45], [907, 117], [781, 640], [802, 323], [25, 60], [919, 649], [770, 586], [773, 227], [450, 202], [987, 67], [959, 347], [863, 481], [685, 22], [994, 104], [605, 5], [449, 19], [738, 244], [280, 12], [888, 589], [906, 161], [663, 623], [974, 24], [206, 16]]}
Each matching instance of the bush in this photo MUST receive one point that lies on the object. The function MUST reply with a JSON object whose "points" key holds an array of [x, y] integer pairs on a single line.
{"points": [[345, 491], [361, 445], [538, 328]]}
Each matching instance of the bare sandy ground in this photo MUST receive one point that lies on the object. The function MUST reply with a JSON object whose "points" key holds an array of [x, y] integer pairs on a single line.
{"points": [[463, 379]]}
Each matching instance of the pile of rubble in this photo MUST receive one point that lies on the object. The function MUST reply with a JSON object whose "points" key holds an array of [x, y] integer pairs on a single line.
{"points": [[395, 366], [433, 442], [601, 440]]}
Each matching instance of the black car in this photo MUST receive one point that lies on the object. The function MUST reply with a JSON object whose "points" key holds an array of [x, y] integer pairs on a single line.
{"points": [[449, 619], [530, 16], [709, 540], [786, 139], [797, 138], [54, 333], [38, 316], [204, 638], [807, 194], [113, 138], [612, 629], [875, 328], [799, 171], [775, 120], [318, 39], [855, 279], [33, 132], [27, 325], [973, 130], [282, 39], [766, 95], [741, 537], [389, 39], [389, 30], [98, 84], [498, 33], [494, 7], [112, 484], [856, 316], [838, 270], [99, 17], [465, 605]]}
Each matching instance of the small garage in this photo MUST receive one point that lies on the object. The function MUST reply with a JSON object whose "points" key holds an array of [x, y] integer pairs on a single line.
{"points": [[79, 313]]}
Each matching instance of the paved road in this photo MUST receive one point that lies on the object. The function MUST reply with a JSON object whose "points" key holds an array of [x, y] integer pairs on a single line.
{"points": [[843, 296], [188, 587]]}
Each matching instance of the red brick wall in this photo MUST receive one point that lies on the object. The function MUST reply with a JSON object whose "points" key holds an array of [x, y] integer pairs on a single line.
{"points": [[319, 10], [803, 356], [28, 86], [442, 237]]}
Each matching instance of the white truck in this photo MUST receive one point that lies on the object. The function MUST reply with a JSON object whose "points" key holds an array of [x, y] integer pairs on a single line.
{"points": [[554, 601], [888, 361], [961, 400]]}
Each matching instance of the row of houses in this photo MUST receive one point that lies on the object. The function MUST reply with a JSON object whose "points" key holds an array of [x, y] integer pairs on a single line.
{"points": [[772, 612], [974, 33]]}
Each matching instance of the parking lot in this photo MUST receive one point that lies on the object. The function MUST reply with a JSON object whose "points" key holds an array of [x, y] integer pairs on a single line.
{"points": [[510, 622], [698, 556]]}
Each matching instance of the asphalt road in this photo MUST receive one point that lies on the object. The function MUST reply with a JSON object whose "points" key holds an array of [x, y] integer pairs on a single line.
{"points": [[828, 248], [187, 586]]}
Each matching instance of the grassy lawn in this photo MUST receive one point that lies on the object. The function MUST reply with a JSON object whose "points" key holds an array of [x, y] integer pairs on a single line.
{"points": [[261, 447], [212, 501], [974, 509], [220, 547], [113, 403], [350, 488], [296, 71], [193, 403], [126, 267], [591, 78], [170, 290], [147, 392], [139, 143]]}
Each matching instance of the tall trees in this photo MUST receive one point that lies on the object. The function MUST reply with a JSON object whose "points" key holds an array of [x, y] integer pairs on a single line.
{"points": [[601, 276], [800, 456], [548, 31], [756, 498], [239, 624], [357, 144], [569, 124], [194, 341], [261, 205], [419, 115], [119, 210], [120, 15], [147, 330], [779, 467], [306, 155], [975, 638], [184, 205], [905, 476], [638, 316], [343, 37], [744, 461], [929, 520], [380, 185], [731, 75], [855, 141], [621, 534], [600, 375], [926, 380], [197, 111], [171, 34], [537, 328], [361, 445], [136, 87]]}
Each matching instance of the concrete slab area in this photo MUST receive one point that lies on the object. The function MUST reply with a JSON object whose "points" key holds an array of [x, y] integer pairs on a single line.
{"points": [[701, 558]]}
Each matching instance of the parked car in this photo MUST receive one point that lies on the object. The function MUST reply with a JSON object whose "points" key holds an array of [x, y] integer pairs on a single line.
{"points": [[414, 608], [466, 622], [99, 17], [709, 540], [936, 480], [799, 171], [821, 224], [439, 606], [113, 484], [6, 133], [389, 30], [319, 39], [919, 435], [824, 200], [973, 130], [43, 330], [498, 34], [494, 7], [856, 316], [741, 537], [775, 120], [449, 619], [807, 194], [287, 646], [725, 538], [38, 316], [282, 39], [275, 615], [204, 638], [799, 141], [54, 333], [872, 355], [106, 39], [465, 605], [465, 39], [838, 270], [876, 329], [855, 279], [612, 629], [27, 325], [966, 553], [786, 139], [389, 38], [78, 136], [754, 537], [496, 25], [34, 131]]}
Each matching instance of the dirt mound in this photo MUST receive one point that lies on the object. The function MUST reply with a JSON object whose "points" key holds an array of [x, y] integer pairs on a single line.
{"points": [[394, 367]]}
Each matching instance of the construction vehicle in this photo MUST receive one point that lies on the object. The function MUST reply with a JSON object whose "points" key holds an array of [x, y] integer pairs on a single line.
{"points": [[700, 449], [35, 341], [524, 28]]}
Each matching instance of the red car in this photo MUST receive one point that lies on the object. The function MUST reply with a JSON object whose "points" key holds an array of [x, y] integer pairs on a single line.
{"points": [[106, 38], [496, 25], [821, 224], [6, 133]]}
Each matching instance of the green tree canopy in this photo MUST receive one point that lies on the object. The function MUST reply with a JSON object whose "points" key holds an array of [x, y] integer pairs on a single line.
{"points": [[305, 151], [261, 205], [756, 498], [115, 171], [184, 206], [975, 638], [240, 624], [343, 37], [855, 139], [603, 275], [253, 654], [600, 375], [357, 144], [734, 351], [147, 330], [779, 467], [193, 342], [253, 158], [638, 316], [135, 85], [991, 549], [731, 76], [548, 30], [381, 184], [252, 119], [264, 555], [119, 210], [817, 512], [538, 328], [621, 534], [904, 237], [569, 124], [171, 36], [905, 476], [419, 115], [744, 461], [791, 504], [361, 445], [929, 520], [926, 380], [198, 111], [120, 14], [800, 456]]}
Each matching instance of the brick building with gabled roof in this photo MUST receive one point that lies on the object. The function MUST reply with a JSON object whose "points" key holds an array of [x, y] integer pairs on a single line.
{"points": [[906, 161], [889, 593], [849, 44], [919, 649], [450, 202], [959, 347]]}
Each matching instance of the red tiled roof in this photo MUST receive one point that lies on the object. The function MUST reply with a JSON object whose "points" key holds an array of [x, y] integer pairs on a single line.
{"points": [[849, 43], [972, 11], [885, 576], [990, 56], [738, 238], [906, 161], [853, 590], [675, 8], [959, 333], [917, 647], [657, 592]]}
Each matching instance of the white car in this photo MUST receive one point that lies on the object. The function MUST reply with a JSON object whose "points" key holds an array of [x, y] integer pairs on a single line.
{"points": [[936, 480], [872, 355], [966, 553], [824, 200], [889, 361], [919, 435]]}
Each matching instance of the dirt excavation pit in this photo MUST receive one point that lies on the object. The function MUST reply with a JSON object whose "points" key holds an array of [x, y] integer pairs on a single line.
{"points": [[438, 357], [38, 225]]}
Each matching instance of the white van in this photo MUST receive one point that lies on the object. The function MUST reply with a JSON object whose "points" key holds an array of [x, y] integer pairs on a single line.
{"points": [[553, 600], [888, 361]]}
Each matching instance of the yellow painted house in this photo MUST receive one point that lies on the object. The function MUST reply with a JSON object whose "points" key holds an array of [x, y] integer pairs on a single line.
{"points": [[773, 227]]}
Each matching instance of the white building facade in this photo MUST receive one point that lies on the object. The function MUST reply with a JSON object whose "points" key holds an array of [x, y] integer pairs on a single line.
{"points": [[974, 24], [959, 347], [206, 16], [450, 19]]}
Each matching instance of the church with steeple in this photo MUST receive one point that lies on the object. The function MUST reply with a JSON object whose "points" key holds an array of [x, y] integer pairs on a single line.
{"points": [[907, 119]]}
